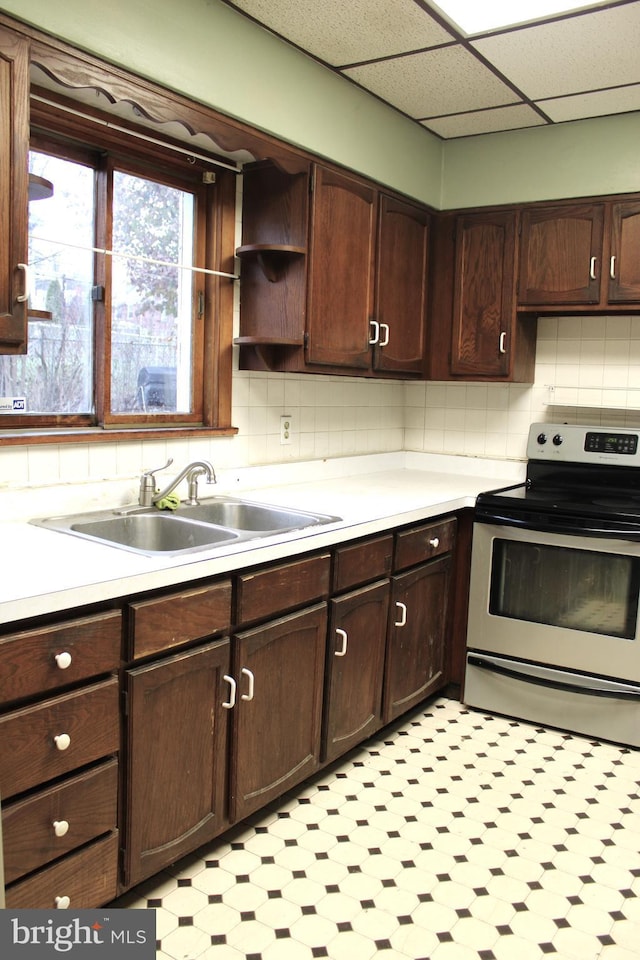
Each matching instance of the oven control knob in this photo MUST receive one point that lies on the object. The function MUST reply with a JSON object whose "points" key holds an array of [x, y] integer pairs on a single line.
{"points": [[542, 438], [558, 440]]}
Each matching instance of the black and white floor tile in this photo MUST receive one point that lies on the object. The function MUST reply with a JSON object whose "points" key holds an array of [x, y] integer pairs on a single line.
{"points": [[454, 835]]}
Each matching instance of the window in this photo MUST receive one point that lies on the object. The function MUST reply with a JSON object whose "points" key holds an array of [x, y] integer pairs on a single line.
{"points": [[129, 307]]}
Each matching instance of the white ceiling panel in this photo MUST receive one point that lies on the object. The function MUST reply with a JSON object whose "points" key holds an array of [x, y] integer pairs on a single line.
{"points": [[559, 68], [600, 104], [340, 32], [485, 121], [595, 50], [420, 84]]}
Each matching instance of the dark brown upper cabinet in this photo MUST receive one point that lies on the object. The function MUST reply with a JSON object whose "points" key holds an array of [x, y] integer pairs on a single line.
{"points": [[584, 254], [402, 285], [334, 275], [476, 333], [14, 145]]}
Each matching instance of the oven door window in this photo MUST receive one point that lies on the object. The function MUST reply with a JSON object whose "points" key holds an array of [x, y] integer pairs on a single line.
{"points": [[559, 586]]}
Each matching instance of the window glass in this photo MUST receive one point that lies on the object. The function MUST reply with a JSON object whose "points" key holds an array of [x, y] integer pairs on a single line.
{"points": [[151, 300], [56, 374]]}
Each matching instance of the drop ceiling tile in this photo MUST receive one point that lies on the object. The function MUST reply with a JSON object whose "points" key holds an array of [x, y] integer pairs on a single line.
{"points": [[352, 32], [600, 104], [447, 80], [484, 121], [596, 50]]}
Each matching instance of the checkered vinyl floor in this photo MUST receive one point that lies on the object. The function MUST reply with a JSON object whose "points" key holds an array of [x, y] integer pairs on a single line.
{"points": [[454, 835]]}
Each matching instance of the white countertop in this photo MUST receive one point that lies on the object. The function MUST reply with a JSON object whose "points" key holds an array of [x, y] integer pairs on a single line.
{"points": [[46, 571]]}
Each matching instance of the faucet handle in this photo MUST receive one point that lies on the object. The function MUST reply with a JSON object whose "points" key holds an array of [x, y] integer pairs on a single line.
{"points": [[148, 484], [150, 473]]}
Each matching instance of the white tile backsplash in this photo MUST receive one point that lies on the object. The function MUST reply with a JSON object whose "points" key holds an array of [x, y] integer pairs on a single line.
{"points": [[595, 360]]}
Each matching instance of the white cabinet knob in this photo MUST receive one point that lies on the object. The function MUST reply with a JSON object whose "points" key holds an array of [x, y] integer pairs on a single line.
{"points": [[434, 542], [60, 827], [62, 903], [62, 741], [63, 660]]}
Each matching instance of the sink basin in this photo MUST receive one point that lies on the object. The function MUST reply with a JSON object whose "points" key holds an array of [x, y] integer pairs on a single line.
{"points": [[258, 518], [152, 532], [215, 522]]}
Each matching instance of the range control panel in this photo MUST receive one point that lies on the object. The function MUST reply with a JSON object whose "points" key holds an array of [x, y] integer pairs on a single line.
{"points": [[573, 443], [621, 443]]}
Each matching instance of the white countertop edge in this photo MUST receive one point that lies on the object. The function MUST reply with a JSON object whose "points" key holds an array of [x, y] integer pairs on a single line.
{"points": [[47, 572]]}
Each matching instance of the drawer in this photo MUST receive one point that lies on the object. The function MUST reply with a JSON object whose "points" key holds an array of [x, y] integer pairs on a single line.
{"points": [[81, 808], [274, 590], [87, 878], [36, 661], [177, 618], [361, 562], [30, 754], [424, 542]]}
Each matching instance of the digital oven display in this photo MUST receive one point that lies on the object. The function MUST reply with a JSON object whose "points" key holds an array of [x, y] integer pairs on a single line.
{"points": [[611, 443]]}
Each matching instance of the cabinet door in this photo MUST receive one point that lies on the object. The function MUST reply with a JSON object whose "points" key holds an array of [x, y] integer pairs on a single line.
{"points": [[14, 144], [561, 254], [176, 757], [417, 636], [401, 298], [355, 664], [277, 718], [484, 299], [341, 269], [624, 262]]}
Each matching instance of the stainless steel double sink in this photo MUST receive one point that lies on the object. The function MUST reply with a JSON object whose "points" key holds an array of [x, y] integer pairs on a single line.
{"points": [[192, 527]]}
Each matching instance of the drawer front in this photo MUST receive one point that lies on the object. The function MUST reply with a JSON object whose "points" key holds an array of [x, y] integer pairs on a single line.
{"points": [[59, 819], [31, 755], [424, 542], [35, 661], [359, 563], [177, 618], [87, 878], [269, 592]]}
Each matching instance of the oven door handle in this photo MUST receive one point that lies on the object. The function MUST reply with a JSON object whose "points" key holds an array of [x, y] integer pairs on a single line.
{"points": [[615, 691], [586, 527]]}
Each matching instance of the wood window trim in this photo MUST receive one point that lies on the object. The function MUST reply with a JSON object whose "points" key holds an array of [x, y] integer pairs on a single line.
{"points": [[72, 70]]}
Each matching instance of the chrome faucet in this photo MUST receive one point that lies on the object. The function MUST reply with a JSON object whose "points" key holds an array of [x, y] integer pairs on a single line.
{"points": [[149, 496]]}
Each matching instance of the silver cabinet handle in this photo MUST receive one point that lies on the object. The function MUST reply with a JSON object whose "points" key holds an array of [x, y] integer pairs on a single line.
{"points": [[231, 702], [501, 342], [343, 636], [402, 607], [612, 268], [375, 332], [592, 268], [249, 694], [24, 296], [434, 542], [385, 328]]}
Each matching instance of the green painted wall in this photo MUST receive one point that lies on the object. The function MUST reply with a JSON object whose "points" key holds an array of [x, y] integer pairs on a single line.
{"points": [[579, 159], [205, 50]]}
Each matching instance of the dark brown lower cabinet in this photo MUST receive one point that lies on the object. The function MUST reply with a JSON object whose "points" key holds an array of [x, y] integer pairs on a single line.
{"points": [[275, 741], [176, 756], [355, 666], [417, 633]]}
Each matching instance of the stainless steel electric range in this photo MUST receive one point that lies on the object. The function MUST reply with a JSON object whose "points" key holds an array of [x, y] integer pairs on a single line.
{"points": [[553, 633]]}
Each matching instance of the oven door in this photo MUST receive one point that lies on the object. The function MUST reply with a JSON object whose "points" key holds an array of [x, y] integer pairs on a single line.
{"points": [[552, 616], [557, 599]]}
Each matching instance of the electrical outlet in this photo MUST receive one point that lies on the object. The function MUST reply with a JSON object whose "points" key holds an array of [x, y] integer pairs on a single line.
{"points": [[286, 429]]}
